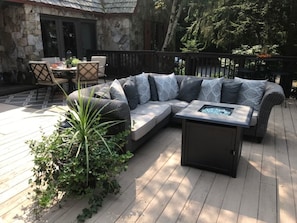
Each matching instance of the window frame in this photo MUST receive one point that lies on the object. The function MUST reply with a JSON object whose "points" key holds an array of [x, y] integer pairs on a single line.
{"points": [[78, 23]]}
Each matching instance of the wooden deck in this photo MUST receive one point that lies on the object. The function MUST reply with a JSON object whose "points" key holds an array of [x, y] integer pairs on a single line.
{"points": [[156, 188]]}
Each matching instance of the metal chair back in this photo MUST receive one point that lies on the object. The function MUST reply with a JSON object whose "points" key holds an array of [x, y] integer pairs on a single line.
{"points": [[44, 75], [42, 72], [102, 62], [87, 72]]}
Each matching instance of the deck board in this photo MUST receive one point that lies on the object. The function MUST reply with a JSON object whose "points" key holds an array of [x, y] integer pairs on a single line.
{"points": [[18, 125], [156, 188]]}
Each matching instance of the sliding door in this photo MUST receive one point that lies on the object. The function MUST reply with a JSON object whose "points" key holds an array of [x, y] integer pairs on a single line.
{"points": [[60, 34]]}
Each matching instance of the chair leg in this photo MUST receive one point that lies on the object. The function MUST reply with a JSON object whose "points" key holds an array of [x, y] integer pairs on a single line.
{"points": [[37, 93], [53, 91], [71, 87]]}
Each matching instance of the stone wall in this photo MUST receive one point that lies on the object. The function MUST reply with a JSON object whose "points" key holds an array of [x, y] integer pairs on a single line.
{"points": [[115, 33], [12, 36], [21, 40]]}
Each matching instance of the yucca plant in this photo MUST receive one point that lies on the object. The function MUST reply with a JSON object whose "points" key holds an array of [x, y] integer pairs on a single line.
{"points": [[81, 159]]}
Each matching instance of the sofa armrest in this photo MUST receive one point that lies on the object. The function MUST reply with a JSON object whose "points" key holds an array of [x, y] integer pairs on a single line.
{"points": [[114, 109], [110, 110], [273, 95]]}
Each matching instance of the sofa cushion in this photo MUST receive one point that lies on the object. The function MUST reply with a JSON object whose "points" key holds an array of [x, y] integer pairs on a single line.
{"points": [[117, 92], [141, 125], [131, 93], [143, 88], [159, 110], [176, 105], [153, 88], [166, 86], [211, 90], [254, 119], [251, 92], [103, 92], [189, 89], [230, 91]]}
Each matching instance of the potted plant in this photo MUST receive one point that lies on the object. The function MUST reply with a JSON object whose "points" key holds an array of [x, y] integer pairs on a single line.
{"points": [[72, 62], [81, 159]]}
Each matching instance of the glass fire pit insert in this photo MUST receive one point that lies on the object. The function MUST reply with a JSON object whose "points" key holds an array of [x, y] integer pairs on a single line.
{"points": [[216, 110]]}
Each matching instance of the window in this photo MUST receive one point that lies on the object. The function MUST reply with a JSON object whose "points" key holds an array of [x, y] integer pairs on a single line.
{"points": [[60, 34], [69, 37], [49, 38]]}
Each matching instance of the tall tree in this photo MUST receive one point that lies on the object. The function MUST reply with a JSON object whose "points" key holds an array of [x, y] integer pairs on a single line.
{"points": [[176, 7], [227, 24]]}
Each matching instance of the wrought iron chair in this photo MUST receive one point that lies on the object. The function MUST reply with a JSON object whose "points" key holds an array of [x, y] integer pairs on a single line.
{"points": [[87, 73], [44, 75], [103, 64]]}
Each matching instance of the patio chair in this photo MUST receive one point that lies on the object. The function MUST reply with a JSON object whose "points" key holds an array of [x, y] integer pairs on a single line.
{"points": [[53, 62], [103, 64], [44, 76], [87, 73]]}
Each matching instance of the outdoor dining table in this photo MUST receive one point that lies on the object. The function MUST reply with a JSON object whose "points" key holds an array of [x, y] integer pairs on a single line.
{"points": [[66, 72]]}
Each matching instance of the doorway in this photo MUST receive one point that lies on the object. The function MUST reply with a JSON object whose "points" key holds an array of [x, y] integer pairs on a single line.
{"points": [[60, 34]]}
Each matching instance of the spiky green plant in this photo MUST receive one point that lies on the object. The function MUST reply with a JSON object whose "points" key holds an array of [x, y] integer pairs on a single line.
{"points": [[81, 159]]}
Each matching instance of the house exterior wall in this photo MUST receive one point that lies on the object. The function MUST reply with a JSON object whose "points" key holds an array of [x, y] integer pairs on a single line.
{"points": [[20, 34], [21, 40], [13, 39], [119, 33]]}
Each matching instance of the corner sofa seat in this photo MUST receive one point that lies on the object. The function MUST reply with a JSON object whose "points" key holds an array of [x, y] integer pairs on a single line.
{"points": [[146, 119], [147, 116]]}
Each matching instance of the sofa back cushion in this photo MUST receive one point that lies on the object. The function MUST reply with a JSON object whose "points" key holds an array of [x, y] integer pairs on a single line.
{"points": [[230, 92], [251, 92], [117, 92], [189, 89], [104, 92], [153, 88], [143, 88], [131, 92], [211, 90], [166, 86]]}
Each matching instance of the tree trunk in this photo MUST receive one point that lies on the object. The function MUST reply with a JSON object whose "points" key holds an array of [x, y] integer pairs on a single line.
{"points": [[174, 17]]}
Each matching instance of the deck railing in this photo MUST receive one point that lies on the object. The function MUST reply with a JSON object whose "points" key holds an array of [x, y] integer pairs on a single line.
{"points": [[126, 63]]}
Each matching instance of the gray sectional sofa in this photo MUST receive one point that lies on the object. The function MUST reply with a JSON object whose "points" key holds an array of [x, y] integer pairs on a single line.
{"points": [[148, 102]]}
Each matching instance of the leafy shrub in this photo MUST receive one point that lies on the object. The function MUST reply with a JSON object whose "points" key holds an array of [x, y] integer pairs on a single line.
{"points": [[80, 160]]}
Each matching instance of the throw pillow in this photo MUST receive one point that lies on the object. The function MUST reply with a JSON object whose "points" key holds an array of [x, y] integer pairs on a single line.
{"points": [[166, 86], [117, 92], [251, 92], [211, 90], [189, 89], [153, 88], [230, 92], [103, 93], [143, 88], [131, 93]]}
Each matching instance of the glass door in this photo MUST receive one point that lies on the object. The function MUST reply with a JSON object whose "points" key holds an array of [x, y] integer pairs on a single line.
{"points": [[87, 39], [60, 34], [70, 37], [49, 38]]}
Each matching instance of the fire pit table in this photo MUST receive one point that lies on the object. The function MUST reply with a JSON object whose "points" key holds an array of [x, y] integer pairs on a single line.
{"points": [[212, 135]]}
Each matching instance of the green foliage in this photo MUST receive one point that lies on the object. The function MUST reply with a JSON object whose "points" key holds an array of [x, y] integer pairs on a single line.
{"points": [[257, 49], [160, 5], [81, 160], [229, 24], [72, 62], [192, 46]]}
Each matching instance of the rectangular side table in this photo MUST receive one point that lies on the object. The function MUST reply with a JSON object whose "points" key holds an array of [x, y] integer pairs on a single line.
{"points": [[212, 135]]}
